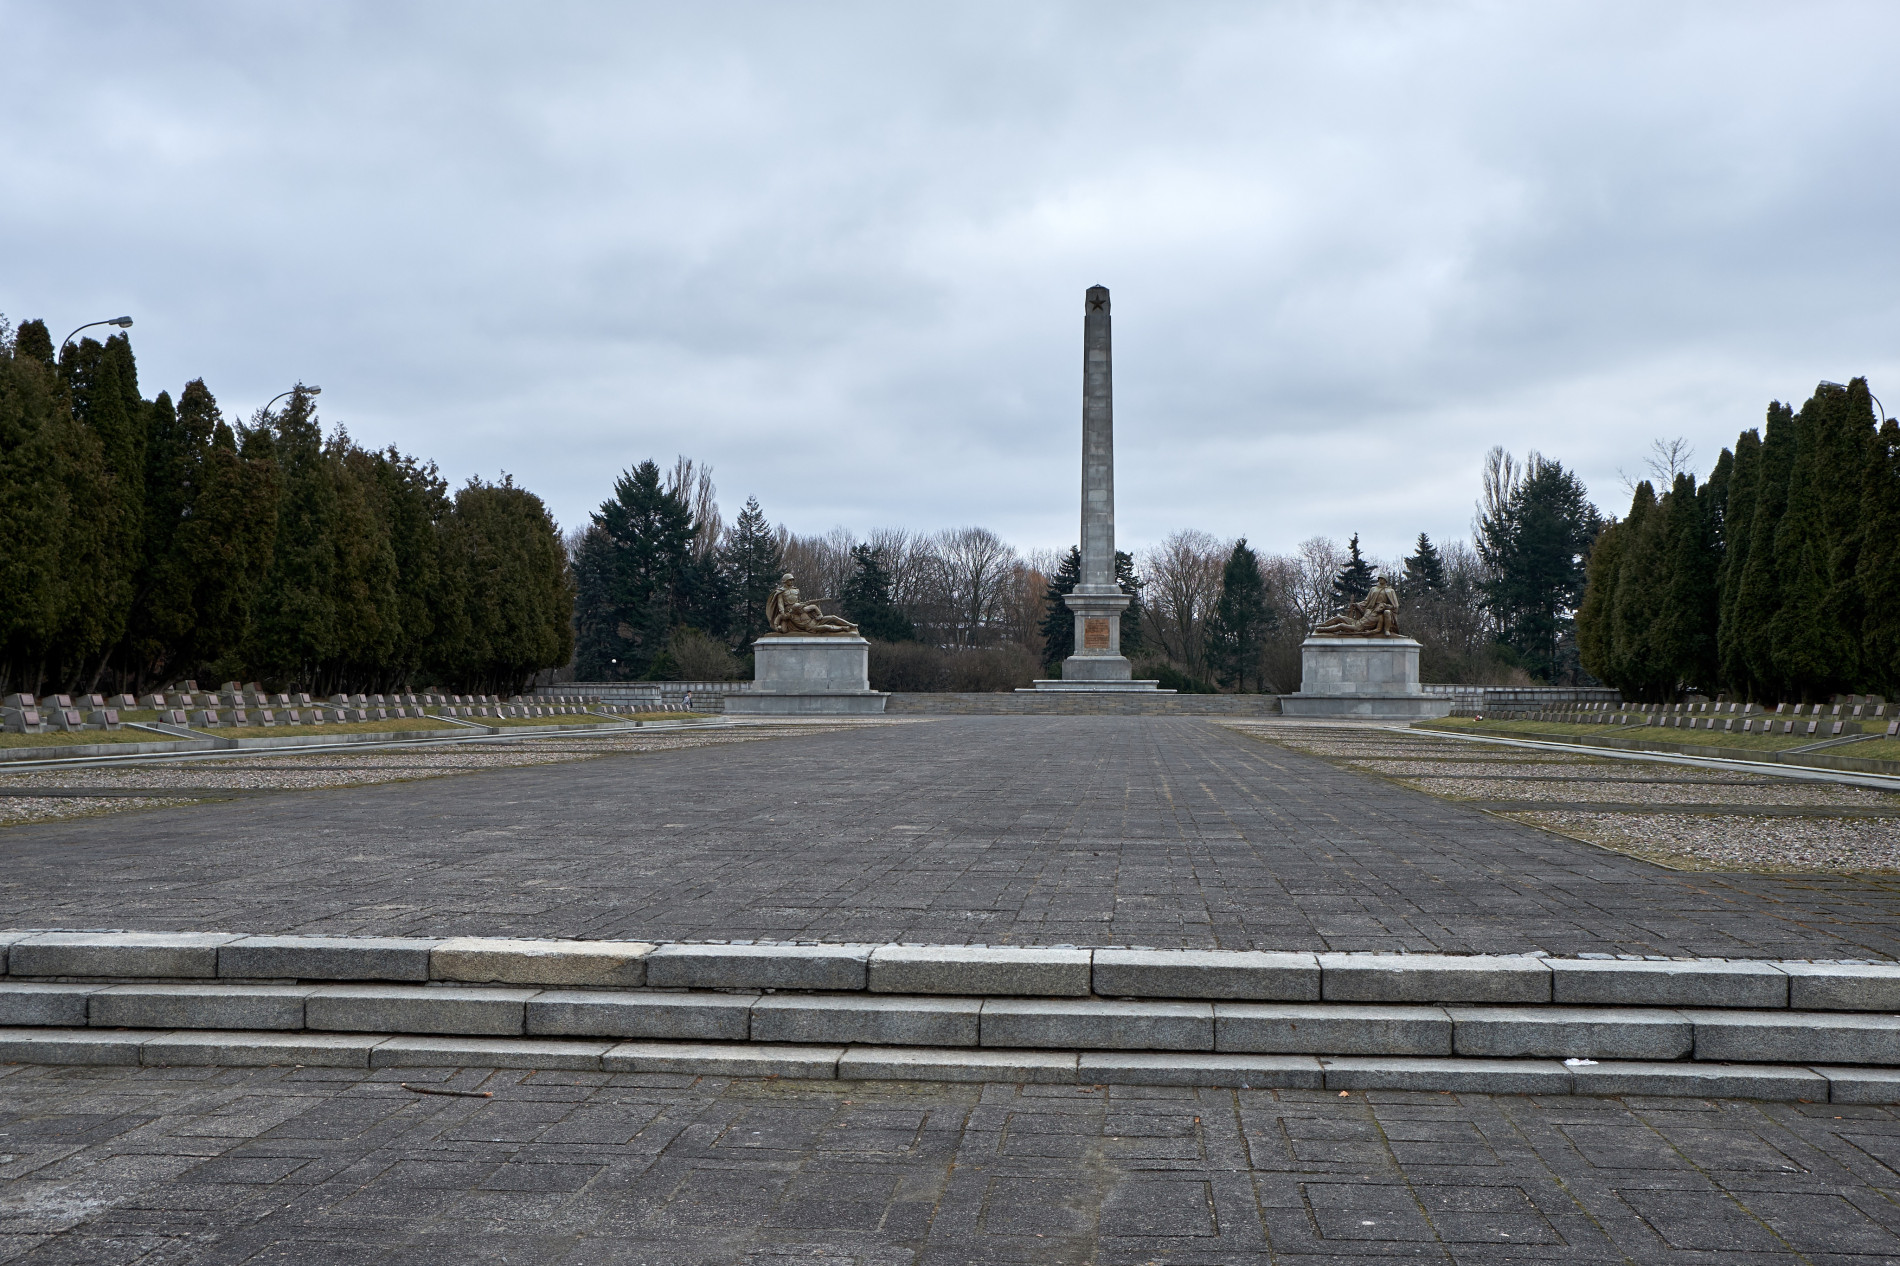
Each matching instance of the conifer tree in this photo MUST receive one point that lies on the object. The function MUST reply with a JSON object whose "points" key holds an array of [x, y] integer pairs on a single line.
{"points": [[1684, 630], [1242, 618], [1878, 568], [1633, 662], [517, 593], [866, 599], [1760, 598], [641, 566], [1814, 651], [1354, 580], [1058, 622], [1738, 535], [1424, 570], [1534, 545], [37, 441], [753, 560], [1595, 634], [293, 635]]}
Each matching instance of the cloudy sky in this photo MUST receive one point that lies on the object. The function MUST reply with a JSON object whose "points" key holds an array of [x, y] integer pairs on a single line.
{"points": [[838, 251]]}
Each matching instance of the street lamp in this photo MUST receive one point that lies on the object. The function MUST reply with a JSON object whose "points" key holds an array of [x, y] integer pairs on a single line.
{"points": [[308, 391], [124, 323]]}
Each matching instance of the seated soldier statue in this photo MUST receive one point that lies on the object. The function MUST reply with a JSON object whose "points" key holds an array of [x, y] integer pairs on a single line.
{"points": [[1376, 616], [792, 616]]}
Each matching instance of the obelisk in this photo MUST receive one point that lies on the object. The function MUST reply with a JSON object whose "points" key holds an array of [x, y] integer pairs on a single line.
{"points": [[1097, 601]]}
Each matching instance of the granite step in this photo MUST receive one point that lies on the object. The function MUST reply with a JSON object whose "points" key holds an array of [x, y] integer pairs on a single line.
{"points": [[1817, 1083], [956, 970], [1344, 1029]]}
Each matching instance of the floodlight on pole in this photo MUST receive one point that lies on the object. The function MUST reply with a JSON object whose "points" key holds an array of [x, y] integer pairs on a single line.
{"points": [[124, 323]]}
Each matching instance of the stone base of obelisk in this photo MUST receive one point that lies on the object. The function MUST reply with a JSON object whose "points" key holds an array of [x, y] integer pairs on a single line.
{"points": [[1098, 664], [1364, 678], [809, 676]]}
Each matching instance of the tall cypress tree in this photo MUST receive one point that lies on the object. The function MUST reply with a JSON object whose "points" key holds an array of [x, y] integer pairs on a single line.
{"points": [[1596, 646], [1815, 653], [293, 635], [1759, 602], [1242, 618], [38, 443], [1635, 667], [1738, 535], [1684, 631], [1878, 568]]}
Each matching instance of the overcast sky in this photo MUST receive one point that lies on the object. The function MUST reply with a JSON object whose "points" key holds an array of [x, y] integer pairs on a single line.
{"points": [[838, 251]]}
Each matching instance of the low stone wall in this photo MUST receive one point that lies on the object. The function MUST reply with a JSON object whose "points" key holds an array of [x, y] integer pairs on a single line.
{"points": [[649, 693], [1108, 703], [1520, 696]]}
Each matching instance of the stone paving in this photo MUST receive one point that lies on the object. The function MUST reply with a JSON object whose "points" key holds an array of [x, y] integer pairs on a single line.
{"points": [[1030, 830], [315, 1166]]}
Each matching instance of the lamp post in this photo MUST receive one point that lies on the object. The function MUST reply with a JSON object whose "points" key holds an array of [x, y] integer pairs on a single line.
{"points": [[308, 391], [124, 323]]}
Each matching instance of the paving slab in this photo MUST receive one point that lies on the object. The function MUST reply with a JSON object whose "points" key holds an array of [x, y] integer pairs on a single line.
{"points": [[327, 958], [911, 1063], [1705, 983], [1165, 832], [1253, 975], [696, 1016], [207, 1006], [41, 1002], [117, 954], [1249, 1072], [520, 961], [880, 1020], [757, 966]]}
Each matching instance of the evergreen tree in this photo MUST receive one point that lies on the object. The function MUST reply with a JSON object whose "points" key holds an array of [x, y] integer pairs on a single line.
{"points": [[1131, 583], [1242, 618], [648, 546], [1684, 629], [752, 560], [1817, 630], [866, 599], [416, 505], [1535, 546], [1738, 535], [517, 593], [1354, 580], [101, 383], [1424, 570], [1596, 648], [38, 443], [1878, 568], [1760, 597], [224, 545], [293, 635], [1058, 622], [1634, 665]]}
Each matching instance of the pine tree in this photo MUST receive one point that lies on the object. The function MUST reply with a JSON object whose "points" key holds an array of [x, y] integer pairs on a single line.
{"points": [[649, 533], [866, 599], [1878, 568], [1058, 622], [1424, 570], [1354, 580], [1130, 581], [1535, 545], [752, 560], [1242, 618], [1738, 535]]}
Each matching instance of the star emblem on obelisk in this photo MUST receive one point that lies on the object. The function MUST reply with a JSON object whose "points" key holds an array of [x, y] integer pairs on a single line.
{"points": [[1096, 304]]}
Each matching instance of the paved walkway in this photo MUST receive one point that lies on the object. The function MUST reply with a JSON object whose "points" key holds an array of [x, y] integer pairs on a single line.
{"points": [[325, 1167], [1086, 830]]}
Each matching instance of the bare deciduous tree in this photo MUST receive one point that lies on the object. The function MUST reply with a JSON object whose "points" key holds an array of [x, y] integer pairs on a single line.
{"points": [[1183, 583], [977, 565], [693, 484]]}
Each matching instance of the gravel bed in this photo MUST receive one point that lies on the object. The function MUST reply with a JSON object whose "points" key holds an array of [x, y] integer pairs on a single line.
{"points": [[16, 811], [363, 768], [1776, 845], [1607, 770], [1639, 792]]}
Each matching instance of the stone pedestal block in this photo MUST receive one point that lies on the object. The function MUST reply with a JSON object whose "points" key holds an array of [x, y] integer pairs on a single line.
{"points": [[1375, 678], [811, 676]]}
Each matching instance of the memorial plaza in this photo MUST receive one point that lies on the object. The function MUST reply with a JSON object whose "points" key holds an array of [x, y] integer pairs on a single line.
{"points": [[1094, 832]]}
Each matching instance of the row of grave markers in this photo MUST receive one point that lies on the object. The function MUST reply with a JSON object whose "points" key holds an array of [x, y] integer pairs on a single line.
{"points": [[239, 705], [1857, 714]]}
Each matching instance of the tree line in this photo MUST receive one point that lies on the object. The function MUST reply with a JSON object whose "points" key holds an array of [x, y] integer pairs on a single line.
{"points": [[1773, 579], [666, 589], [152, 541]]}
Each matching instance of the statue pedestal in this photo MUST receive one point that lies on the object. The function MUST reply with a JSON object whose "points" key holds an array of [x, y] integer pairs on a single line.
{"points": [[809, 676], [1365, 678]]}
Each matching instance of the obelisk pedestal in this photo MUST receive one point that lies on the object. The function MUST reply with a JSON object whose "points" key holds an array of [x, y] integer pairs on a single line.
{"points": [[1097, 600]]}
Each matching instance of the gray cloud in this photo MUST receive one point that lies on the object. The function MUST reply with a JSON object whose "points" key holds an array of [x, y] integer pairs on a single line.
{"points": [[838, 251]]}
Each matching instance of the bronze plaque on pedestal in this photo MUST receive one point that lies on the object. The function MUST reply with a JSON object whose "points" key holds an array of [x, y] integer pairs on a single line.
{"points": [[1094, 634]]}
